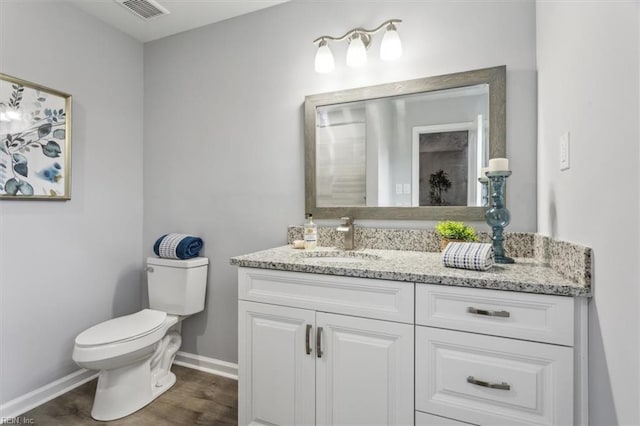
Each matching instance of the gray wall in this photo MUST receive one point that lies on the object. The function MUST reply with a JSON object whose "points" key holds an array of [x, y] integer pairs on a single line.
{"points": [[223, 136], [65, 266], [588, 62]]}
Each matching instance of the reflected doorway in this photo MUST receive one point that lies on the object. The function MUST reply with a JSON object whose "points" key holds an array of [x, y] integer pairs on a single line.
{"points": [[446, 160], [443, 168]]}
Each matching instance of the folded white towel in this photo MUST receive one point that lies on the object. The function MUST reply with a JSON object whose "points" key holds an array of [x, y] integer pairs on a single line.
{"points": [[476, 256]]}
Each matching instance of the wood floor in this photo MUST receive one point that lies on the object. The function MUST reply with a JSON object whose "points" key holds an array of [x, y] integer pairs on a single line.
{"points": [[197, 398]]}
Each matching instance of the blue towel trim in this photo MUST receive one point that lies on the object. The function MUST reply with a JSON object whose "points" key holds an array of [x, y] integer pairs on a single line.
{"points": [[178, 246]]}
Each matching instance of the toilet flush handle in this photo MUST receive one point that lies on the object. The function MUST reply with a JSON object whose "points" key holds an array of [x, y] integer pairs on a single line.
{"points": [[148, 269]]}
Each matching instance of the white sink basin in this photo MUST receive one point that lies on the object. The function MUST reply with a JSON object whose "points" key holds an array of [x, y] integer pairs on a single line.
{"points": [[336, 256], [335, 259]]}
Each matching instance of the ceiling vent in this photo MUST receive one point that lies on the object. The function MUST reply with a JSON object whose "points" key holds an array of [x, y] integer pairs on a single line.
{"points": [[145, 9]]}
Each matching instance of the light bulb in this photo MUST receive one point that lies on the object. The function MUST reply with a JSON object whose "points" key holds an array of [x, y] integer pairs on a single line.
{"points": [[391, 47], [324, 59], [357, 52]]}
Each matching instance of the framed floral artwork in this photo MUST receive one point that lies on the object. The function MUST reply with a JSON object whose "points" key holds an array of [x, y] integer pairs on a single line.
{"points": [[35, 141]]}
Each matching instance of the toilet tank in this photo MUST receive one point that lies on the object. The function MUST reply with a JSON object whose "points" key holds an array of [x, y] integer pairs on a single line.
{"points": [[176, 286]]}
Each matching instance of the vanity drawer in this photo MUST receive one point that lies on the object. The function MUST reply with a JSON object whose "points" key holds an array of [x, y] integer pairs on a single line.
{"points": [[537, 317], [363, 297], [489, 380]]}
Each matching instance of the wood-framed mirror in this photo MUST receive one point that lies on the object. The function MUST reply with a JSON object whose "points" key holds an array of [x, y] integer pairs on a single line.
{"points": [[408, 150]]}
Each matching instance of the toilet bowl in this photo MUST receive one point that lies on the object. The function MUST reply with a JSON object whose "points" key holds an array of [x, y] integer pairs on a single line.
{"points": [[134, 352]]}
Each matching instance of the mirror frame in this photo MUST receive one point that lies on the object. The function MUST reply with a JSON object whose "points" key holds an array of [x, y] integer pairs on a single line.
{"points": [[495, 77]]}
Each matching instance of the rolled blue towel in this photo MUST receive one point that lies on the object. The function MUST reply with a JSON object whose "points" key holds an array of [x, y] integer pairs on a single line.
{"points": [[476, 256], [177, 246]]}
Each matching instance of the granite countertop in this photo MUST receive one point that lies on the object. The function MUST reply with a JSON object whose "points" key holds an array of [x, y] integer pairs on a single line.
{"points": [[528, 275]]}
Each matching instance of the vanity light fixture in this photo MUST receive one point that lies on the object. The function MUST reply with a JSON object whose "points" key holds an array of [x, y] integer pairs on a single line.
{"points": [[359, 41]]}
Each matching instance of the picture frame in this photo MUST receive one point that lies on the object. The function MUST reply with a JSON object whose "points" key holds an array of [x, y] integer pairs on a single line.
{"points": [[35, 141]]}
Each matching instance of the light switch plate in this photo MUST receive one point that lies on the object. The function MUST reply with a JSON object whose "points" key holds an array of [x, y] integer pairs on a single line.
{"points": [[564, 151], [398, 188], [407, 188]]}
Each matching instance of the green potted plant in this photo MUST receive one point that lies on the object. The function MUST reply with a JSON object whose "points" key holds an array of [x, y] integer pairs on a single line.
{"points": [[454, 231]]}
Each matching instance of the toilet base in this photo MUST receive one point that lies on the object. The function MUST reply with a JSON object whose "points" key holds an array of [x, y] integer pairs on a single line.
{"points": [[124, 390]]}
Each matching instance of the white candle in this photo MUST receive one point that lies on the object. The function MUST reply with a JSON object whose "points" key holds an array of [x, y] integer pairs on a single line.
{"points": [[483, 172], [498, 165]]}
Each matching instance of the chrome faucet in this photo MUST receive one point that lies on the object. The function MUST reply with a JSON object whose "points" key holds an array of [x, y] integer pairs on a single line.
{"points": [[347, 228]]}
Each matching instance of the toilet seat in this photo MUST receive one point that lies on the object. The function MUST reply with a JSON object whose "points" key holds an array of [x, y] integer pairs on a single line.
{"points": [[122, 329], [128, 336]]}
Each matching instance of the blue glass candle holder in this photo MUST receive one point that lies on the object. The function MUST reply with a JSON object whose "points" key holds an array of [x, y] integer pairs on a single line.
{"points": [[498, 216], [485, 191]]}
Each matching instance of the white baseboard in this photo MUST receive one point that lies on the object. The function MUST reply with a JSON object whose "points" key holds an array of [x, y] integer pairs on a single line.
{"points": [[28, 401], [208, 365]]}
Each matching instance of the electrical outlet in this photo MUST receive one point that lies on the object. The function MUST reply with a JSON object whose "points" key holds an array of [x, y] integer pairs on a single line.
{"points": [[564, 151]]}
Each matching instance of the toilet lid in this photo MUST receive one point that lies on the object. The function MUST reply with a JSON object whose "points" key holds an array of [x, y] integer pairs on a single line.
{"points": [[122, 328]]}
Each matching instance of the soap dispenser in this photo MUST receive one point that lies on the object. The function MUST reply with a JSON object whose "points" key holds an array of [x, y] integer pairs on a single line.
{"points": [[310, 233]]}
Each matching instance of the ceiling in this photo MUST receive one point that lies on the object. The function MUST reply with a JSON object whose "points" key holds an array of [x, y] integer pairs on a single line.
{"points": [[184, 15]]}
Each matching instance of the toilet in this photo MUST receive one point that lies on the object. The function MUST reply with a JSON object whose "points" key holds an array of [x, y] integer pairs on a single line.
{"points": [[134, 352]]}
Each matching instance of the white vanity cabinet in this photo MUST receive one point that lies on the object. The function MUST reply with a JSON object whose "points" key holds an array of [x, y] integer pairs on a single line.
{"points": [[323, 349], [489, 357], [327, 350]]}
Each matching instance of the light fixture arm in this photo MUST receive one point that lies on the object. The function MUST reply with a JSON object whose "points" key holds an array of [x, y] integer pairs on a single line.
{"points": [[363, 33]]}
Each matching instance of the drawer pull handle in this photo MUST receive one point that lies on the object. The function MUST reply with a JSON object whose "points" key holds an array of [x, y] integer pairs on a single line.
{"points": [[501, 386], [319, 342], [503, 314], [307, 339]]}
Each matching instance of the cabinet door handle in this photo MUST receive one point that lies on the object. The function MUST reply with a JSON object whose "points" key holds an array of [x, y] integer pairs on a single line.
{"points": [[319, 342], [503, 314], [308, 339], [501, 386]]}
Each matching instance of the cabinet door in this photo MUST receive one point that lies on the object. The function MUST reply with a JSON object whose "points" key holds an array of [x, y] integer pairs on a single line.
{"points": [[364, 372], [276, 375]]}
